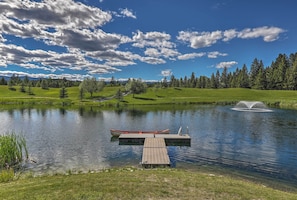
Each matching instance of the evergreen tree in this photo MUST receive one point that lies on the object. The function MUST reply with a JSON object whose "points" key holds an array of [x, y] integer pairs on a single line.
{"points": [[22, 88], [192, 83], [63, 92], [292, 59], [224, 78], [234, 83], [173, 81], [202, 82], [181, 82], [26, 80], [3, 81], [38, 83], [292, 76], [15, 80], [186, 83], [260, 81], [213, 81], [278, 72], [217, 79], [255, 68], [10, 85], [30, 92], [164, 83], [112, 81], [206, 82], [44, 84], [119, 95], [244, 81]]}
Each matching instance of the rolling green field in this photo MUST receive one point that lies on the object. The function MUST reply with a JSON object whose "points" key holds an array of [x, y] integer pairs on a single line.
{"points": [[134, 183], [153, 96]]}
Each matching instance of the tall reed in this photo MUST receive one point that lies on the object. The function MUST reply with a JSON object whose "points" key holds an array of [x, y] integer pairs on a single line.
{"points": [[13, 150]]}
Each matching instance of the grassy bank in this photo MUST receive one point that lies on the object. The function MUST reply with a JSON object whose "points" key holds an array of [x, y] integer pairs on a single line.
{"points": [[131, 183], [281, 98]]}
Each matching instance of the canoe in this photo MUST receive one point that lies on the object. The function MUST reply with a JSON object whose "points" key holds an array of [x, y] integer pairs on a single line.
{"points": [[117, 133]]}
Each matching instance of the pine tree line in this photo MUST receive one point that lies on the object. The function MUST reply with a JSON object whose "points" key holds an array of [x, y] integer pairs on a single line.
{"points": [[45, 83], [280, 75]]}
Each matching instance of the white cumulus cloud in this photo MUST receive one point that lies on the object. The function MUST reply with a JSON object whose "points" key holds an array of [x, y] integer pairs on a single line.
{"points": [[166, 72], [269, 34], [206, 39], [199, 40], [127, 13], [226, 64], [215, 54], [191, 56]]}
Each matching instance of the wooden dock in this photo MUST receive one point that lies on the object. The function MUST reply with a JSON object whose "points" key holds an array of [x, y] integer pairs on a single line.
{"points": [[155, 153], [170, 139], [154, 146]]}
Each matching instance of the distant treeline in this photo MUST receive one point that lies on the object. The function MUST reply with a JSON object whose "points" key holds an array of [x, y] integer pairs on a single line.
{"points": [[15, 80], [280, 75]]}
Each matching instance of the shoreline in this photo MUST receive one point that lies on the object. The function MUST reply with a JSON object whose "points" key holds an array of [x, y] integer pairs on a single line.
{"points": [[135, 183], [250, 176]]}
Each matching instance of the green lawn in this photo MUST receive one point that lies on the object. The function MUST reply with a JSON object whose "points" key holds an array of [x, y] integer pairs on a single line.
{"points": [[228, 96], [153, 96], [133, 183]]}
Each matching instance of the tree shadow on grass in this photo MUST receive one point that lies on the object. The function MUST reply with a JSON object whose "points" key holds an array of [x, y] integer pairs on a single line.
{"points": [[144, 98]]}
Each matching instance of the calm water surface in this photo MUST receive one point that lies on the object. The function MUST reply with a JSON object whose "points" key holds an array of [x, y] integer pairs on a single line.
{"points": [[61, 140]]}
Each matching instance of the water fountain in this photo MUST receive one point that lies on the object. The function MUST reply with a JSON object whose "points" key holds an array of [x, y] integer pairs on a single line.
{"points": [[251, 106]]}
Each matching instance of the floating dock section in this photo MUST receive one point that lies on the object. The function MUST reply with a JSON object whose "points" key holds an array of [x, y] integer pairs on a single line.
{"points": [[154, 146], [170, 139]]}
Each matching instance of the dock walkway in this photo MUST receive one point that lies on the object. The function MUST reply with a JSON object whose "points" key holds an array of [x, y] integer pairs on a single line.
{"points": [[155, 153], [154, 150]]}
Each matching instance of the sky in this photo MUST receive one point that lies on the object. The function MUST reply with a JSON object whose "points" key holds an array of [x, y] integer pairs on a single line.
{"points": [[146, 39]]}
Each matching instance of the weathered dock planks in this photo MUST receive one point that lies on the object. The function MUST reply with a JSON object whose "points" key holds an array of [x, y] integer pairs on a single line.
{"points": [[155, 153]]}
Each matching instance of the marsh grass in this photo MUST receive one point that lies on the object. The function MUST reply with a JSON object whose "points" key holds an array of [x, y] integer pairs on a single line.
{"points": [[13, 150]]}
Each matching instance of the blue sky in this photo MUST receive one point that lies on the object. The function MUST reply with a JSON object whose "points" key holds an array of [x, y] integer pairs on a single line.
{"points": [[147, 39]]}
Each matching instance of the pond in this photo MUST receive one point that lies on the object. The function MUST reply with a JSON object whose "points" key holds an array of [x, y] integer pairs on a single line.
{"points": [[60, 140]]}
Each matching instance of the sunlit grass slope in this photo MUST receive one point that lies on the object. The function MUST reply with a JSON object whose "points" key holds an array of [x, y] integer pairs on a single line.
{"points": [[232, 95]]}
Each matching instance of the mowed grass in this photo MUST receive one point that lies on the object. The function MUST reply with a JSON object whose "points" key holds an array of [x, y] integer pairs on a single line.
{"points": [[283, 98], [153, 96], [134, 183], [52, 96]]}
